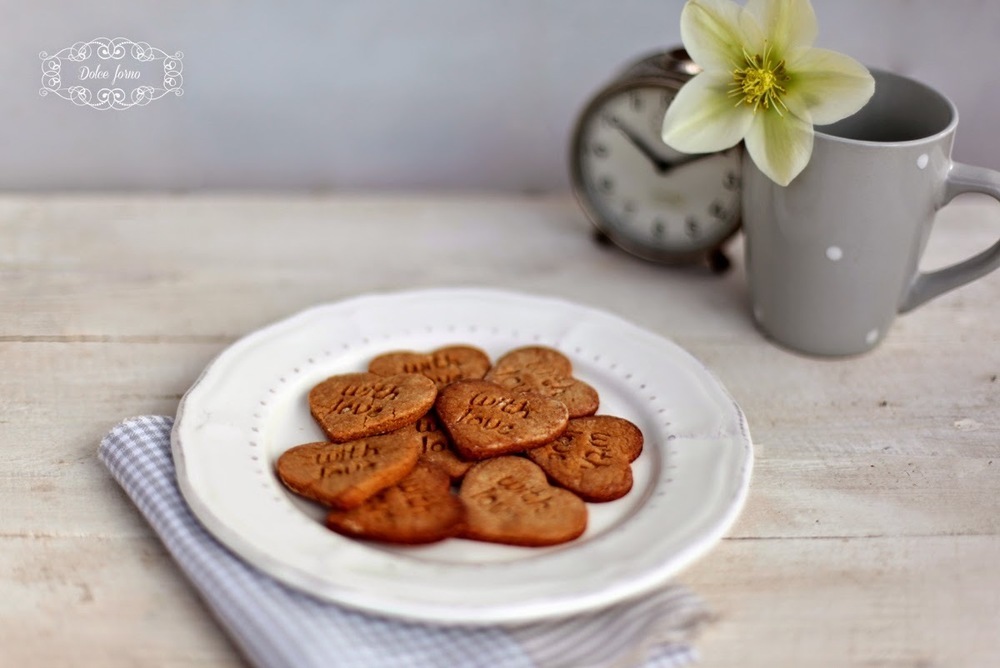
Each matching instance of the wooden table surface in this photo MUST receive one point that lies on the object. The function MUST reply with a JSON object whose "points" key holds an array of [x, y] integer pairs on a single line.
{"points": [[871, 536]]}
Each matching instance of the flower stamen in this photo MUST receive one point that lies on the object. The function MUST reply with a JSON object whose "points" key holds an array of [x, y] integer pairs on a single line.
{"points": [[760, 82]]}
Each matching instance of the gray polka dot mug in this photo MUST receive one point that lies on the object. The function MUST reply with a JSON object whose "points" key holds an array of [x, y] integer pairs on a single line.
{"points": [[833, 257]]}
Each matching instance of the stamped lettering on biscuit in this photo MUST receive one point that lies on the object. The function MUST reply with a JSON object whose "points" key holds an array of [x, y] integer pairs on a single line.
{"points": [[593, 457], [510, 492], [355, 405], [508, 500], [492, 411], [436, 448], [344, 475], [444, 365], [348, 458], [548, 372], [485, 420]]}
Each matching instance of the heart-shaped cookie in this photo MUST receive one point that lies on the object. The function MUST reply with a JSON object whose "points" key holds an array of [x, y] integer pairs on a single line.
{"points": [[443, 366], [418, 509], [436, 448], [485, 420], [344, 475], [354, 405], [508, 500], [548, 372], [593, 457]]}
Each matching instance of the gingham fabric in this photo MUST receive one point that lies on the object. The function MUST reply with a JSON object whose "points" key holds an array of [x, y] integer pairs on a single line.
{"points": [[276, 626]]}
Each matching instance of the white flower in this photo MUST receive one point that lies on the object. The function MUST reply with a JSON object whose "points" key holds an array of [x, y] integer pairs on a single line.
{"points": [[762, 82]]}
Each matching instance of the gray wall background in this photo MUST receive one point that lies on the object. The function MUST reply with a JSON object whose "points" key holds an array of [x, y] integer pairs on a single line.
{"points": [[435, 94]]}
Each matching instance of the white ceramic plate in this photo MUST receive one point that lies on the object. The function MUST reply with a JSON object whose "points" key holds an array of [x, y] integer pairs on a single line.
{"points": [[250, 405]]}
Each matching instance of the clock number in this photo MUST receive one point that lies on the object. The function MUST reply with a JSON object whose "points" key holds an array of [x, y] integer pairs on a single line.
{"points": [[692, 227], [717, 210], [629, 208], [607, 185], [732, 181], [659, 229], [599, 150], [635, 101]]}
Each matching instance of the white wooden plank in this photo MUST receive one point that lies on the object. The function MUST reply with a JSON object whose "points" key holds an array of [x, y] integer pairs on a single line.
{"points": [[112, 602], [825, 603]]}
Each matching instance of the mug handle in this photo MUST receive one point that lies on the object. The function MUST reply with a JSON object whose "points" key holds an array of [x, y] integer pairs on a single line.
{"points": [[960, 179]]}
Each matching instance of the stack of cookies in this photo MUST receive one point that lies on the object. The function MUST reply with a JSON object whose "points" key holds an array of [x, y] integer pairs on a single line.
{"points": [[426, 446]]}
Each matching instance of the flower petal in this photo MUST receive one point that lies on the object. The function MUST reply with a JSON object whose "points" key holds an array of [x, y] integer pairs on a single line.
{"points": [[754, 39], [703, 118], [830, 85], [710, 30], [789, 24], [780, 146]]}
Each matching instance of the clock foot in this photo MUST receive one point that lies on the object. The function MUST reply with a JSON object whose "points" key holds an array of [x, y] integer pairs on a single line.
{"points": [[718, 262]]}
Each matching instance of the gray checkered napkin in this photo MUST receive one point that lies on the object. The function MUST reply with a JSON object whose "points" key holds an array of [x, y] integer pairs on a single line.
{"points": [[276, 626]]}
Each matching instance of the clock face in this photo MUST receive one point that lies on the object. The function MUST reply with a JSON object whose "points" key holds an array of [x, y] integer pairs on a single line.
{"points": [[651, 200]]}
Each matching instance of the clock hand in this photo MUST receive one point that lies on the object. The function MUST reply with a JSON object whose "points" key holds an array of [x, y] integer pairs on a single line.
{"points": [[662, 166], [687, 160]]}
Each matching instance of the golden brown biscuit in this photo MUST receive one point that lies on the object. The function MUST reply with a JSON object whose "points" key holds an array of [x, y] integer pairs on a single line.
{"points": [[485, 420], [354, 405], [593, 457], [344, 475], [443, 366], [508, 500], [436, 448], [418, 509], [548, 372]]}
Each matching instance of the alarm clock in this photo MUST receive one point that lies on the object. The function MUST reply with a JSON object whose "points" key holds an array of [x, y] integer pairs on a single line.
{"points": [[654, 202]]}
